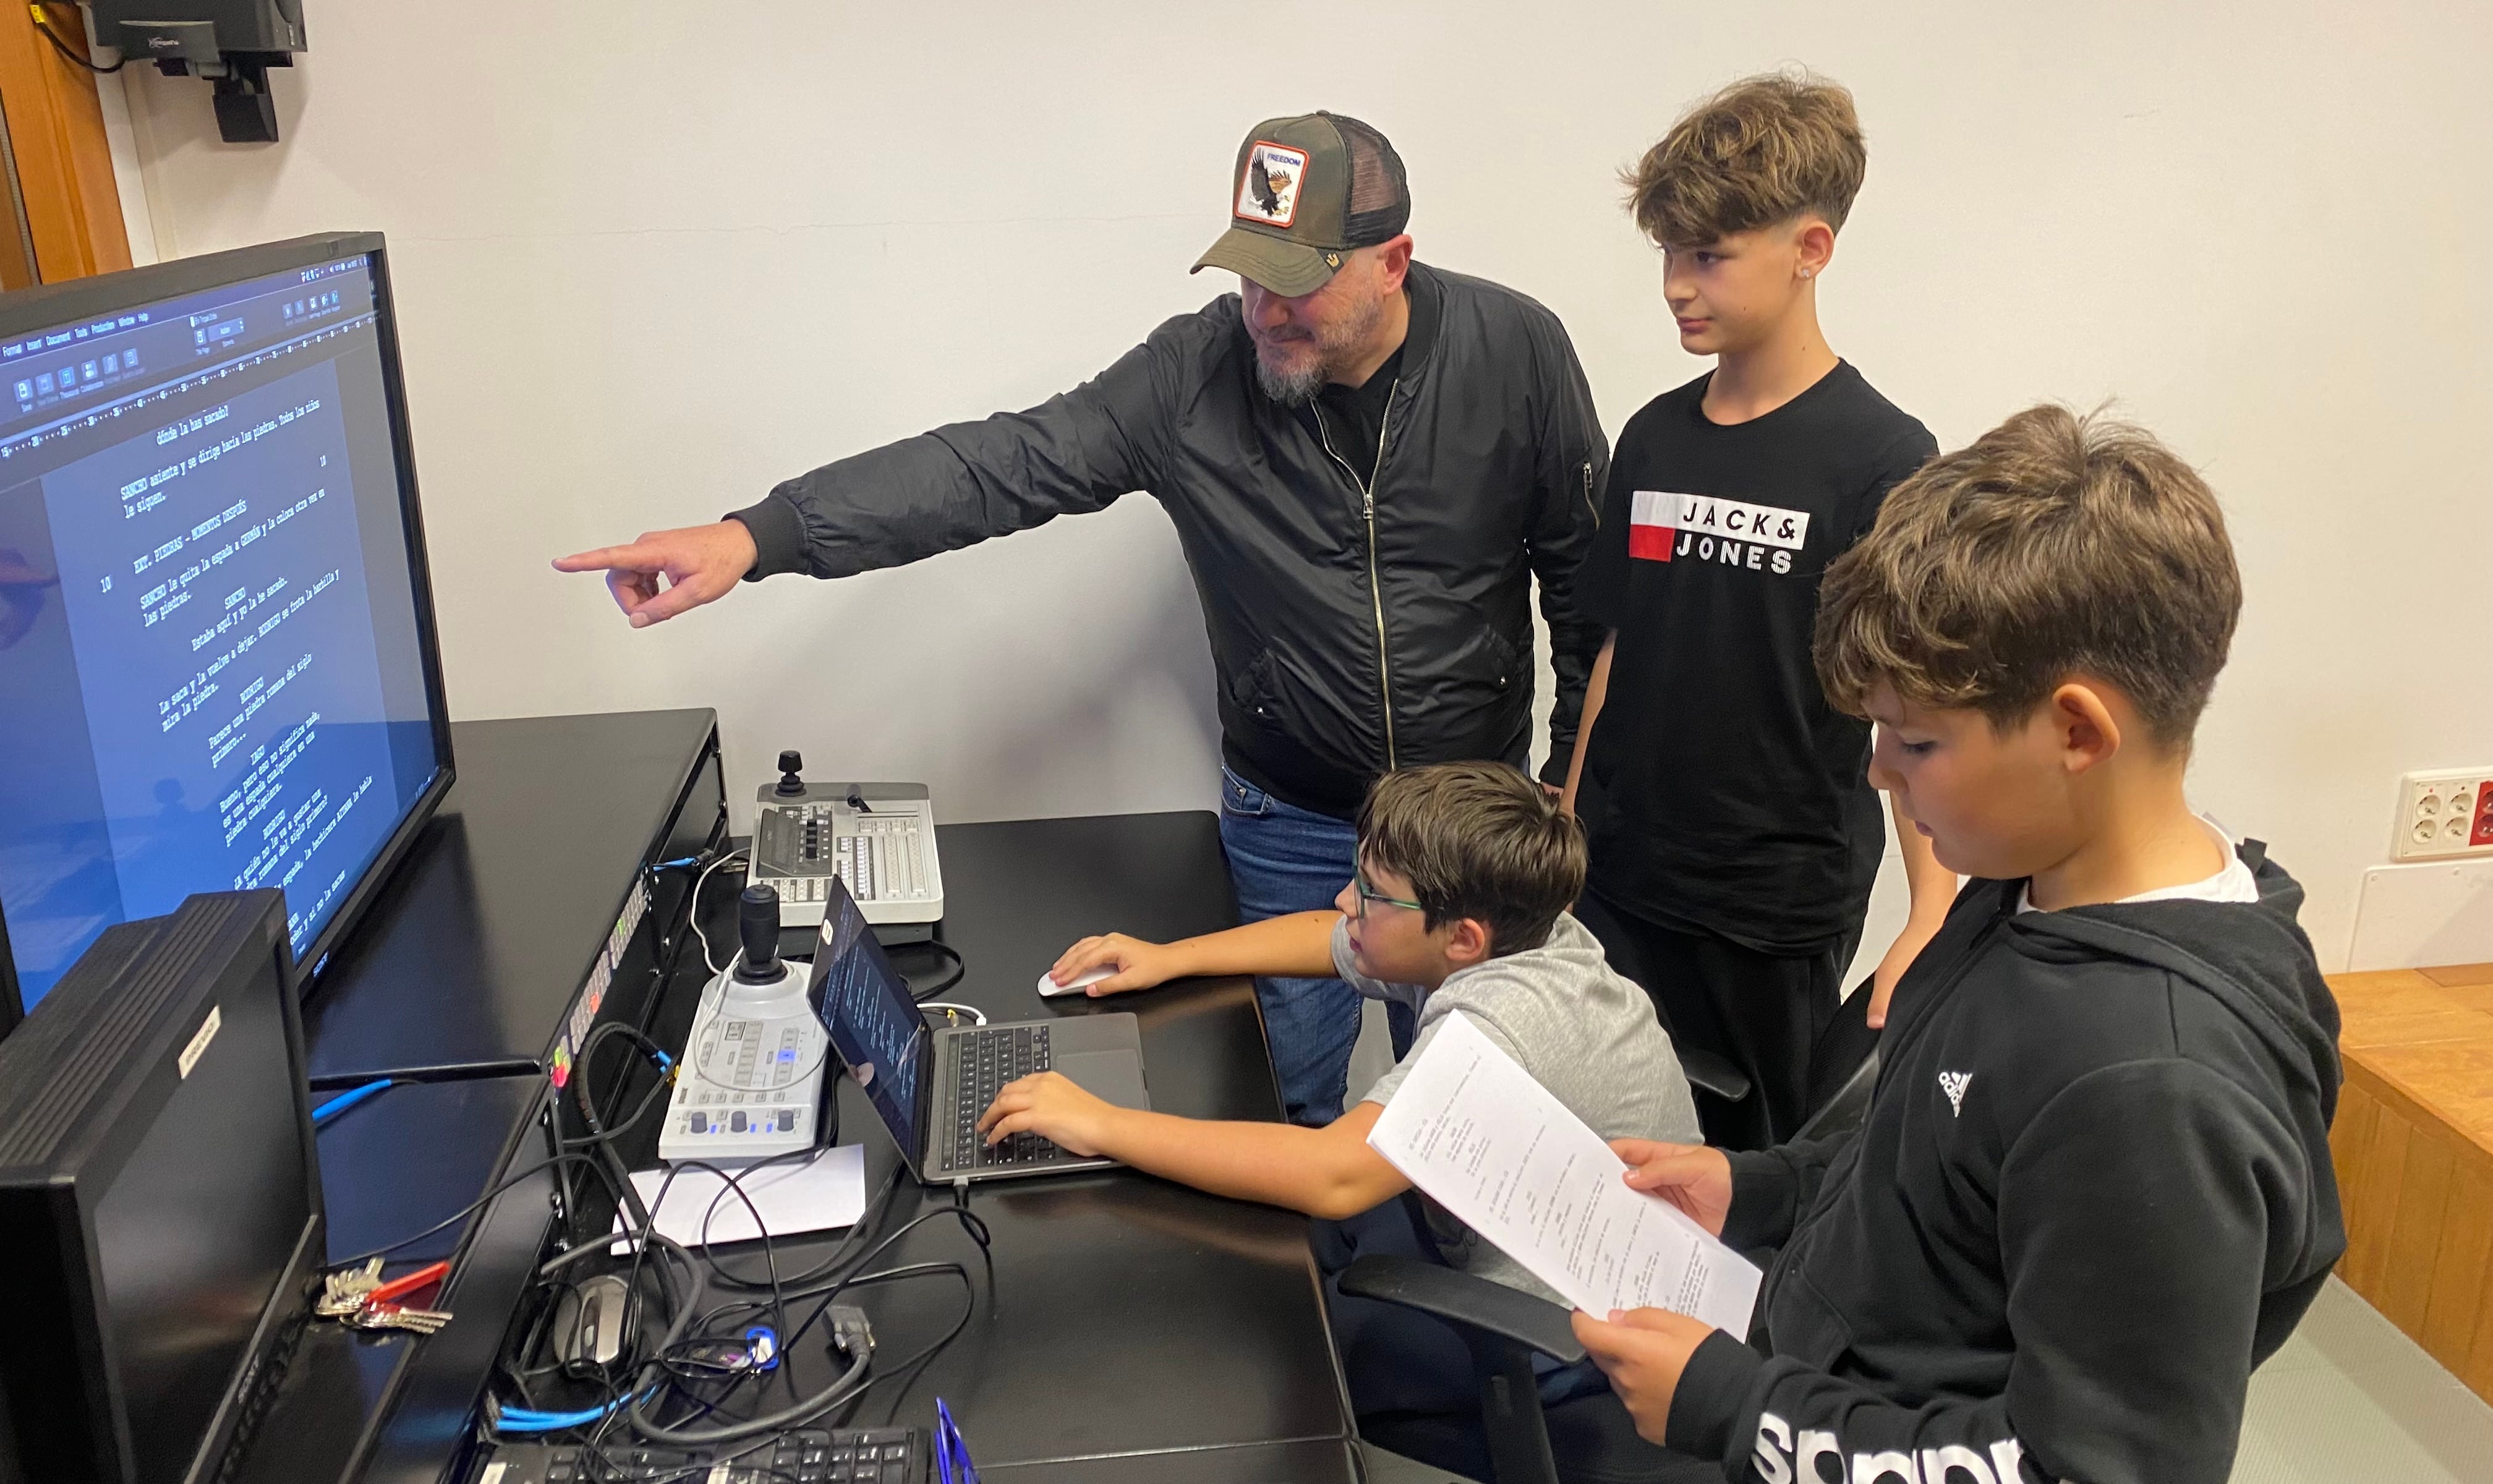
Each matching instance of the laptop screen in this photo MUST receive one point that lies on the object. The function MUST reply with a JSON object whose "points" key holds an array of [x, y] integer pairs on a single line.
{"points": [[874, 1024]]}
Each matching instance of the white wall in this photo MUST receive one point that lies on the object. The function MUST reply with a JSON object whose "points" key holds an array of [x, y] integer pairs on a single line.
{"points": [[653, 258]]}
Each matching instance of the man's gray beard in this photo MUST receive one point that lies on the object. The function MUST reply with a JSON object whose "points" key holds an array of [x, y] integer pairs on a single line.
{"points": [[1293, 388], [1333, 352]]}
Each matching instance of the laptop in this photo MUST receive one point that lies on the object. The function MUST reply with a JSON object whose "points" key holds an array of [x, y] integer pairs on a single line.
{"points": [[930, 1086]]}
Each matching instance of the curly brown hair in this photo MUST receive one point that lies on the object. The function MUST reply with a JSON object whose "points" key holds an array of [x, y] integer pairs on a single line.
{"points": [[2057, 545], [1763, 150]]}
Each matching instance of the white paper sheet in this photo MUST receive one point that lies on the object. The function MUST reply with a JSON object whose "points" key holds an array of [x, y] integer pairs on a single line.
{"points": [[1482, 1139], [824, 1192]]}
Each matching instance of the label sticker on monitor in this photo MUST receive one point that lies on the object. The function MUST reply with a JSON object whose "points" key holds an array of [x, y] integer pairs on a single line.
{"points": [[198, 1045]]}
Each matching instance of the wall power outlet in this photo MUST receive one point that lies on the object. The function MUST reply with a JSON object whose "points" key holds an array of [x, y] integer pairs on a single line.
{"points": [[2446, 813]]}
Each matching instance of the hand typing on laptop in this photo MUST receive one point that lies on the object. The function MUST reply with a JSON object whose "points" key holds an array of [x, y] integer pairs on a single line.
{"points": [[1050, 1105]]}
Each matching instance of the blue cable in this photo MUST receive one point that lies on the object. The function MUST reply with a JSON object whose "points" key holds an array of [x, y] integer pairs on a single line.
{"points": [[522, 1419], [348, 1099]]}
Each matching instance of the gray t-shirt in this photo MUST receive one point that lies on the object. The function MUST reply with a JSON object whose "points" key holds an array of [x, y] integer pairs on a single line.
{"points": [[1583, 1030]]}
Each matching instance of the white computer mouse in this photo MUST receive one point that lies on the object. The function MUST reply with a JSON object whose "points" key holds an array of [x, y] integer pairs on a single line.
{"points": [[1081, 981]]}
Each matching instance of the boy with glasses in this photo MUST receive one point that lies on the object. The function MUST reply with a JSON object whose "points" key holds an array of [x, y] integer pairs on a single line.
{"points": [[1460, 902]]}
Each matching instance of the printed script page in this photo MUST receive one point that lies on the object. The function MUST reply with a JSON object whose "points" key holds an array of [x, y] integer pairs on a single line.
{"points": [[1474, 1131]]}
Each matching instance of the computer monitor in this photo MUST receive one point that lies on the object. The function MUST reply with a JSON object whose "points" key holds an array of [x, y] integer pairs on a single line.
{"points": [[161, 1222], [217, 650]]}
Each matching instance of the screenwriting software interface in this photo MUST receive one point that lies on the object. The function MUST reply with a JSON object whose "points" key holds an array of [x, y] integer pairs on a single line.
{"points": [[208, 644]]}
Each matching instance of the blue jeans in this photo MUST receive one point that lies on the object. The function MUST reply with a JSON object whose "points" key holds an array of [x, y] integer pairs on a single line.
{"points": [[1283, 858]]}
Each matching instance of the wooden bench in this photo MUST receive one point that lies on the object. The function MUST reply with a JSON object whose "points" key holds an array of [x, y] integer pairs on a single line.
{"points": [[2414, 1150]]}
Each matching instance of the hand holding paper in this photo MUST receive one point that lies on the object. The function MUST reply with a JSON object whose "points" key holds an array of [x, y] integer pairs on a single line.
{"points": [[1474, 1131]]}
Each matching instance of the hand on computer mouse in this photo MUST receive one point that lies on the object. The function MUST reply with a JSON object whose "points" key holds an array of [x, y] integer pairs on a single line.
{"points": [[1138, 966]]}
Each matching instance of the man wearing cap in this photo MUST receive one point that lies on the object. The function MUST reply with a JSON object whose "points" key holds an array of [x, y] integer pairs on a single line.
{"points": [[1366, 459]]}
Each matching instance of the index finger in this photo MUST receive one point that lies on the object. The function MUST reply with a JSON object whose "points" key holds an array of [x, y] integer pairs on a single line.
{"points": [[1069, 962], [996, 1112], [633, 556]]}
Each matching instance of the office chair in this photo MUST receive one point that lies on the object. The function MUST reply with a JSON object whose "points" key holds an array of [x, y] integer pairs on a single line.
{"points": [[1586, 1439], [1708, 1072]]}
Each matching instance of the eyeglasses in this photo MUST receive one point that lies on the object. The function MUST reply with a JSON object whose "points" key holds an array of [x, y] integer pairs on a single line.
{"points": [[1368, 893]]}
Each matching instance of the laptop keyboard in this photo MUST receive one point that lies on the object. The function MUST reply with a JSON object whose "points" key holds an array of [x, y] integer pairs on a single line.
{"points": [[988, 1060]]}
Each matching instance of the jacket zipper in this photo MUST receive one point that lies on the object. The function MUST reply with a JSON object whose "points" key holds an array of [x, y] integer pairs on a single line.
{"points": [[1367, 512]]}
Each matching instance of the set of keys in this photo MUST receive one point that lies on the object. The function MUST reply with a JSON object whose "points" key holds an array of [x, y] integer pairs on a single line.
{"points": [[356, 1296]]}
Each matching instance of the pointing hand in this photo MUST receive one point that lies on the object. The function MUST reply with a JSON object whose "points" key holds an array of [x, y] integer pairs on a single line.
{"points": [[668, 572]]}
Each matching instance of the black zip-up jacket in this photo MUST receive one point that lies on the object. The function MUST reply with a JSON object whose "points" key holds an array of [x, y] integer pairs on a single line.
{"points": [[2093, 1193], [1351, 632]]}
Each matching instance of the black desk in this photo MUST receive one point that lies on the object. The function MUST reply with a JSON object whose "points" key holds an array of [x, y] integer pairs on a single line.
{"points": [[1136, 1328], [463, 972], [472, 954], [391, 1166]]}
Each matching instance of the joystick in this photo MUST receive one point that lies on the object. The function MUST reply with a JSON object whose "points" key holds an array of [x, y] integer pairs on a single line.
{"points": [[791, 763], [757, 927], [750, 1082]]}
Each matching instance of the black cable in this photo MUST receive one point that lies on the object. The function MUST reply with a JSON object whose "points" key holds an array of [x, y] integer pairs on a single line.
{"points": [[581, 1071], [626, 1197], [632, 1401], [44, 24], [603, 1156], [907, 1371], [960, 968], [830, 1294], [687, 1360], [863, 1226], [468, 1210], [769, 1247], [970, 1222], [851, 1381], [643, 1221], [611, 1394]]}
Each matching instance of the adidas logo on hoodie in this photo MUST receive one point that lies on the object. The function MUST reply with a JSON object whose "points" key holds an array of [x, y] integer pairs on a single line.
{"points": [[1954, 1084]]}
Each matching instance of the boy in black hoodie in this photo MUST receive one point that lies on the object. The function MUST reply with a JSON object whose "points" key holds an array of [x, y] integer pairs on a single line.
{"points": [[2093, 1189]]}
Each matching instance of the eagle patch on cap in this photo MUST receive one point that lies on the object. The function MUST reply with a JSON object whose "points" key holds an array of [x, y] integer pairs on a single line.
{"points": [[1269, 191]]}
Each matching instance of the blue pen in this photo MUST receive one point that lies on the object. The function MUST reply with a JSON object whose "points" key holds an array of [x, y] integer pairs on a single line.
{"points": [[951, 1451], [348, 1099]]}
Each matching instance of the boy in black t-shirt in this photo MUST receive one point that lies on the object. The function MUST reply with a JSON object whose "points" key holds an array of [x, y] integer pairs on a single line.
{"points": [[1733, 833]]}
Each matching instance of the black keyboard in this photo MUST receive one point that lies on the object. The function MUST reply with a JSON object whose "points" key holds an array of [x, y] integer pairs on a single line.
{"points": [[864, 1456], [988, 1059]]}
